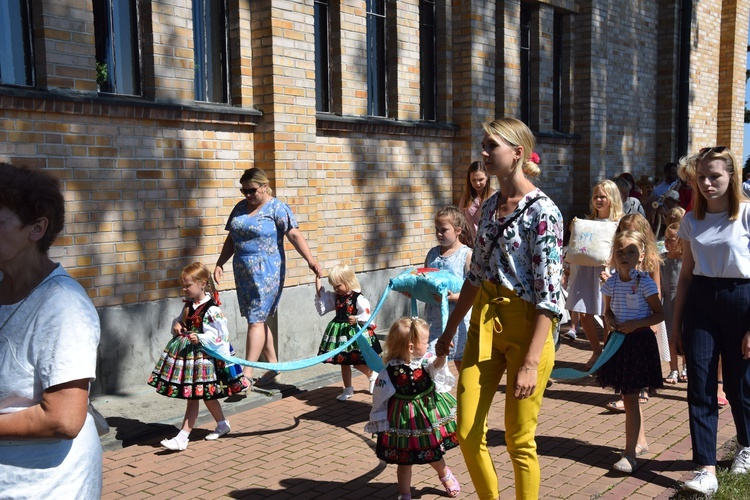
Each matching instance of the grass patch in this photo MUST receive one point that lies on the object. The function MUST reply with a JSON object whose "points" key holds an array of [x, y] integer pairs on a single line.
{"points": [[731, 486]]}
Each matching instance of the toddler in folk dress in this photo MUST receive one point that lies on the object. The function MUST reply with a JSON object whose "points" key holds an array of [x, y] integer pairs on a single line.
{"points": [[413, 413]]}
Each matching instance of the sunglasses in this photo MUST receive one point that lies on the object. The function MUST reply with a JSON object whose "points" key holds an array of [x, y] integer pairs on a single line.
{"points": [[715, 149], [248, 192]]}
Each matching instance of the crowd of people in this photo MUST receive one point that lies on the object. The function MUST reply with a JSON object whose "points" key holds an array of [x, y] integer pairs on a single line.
{"points": [[677, 259]]}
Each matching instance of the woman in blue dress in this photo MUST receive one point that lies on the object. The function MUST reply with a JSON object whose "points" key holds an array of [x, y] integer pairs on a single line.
{"points": [[257, 226]]}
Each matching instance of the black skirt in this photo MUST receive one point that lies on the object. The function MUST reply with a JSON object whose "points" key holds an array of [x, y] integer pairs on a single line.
{"points": [[635, 365]]}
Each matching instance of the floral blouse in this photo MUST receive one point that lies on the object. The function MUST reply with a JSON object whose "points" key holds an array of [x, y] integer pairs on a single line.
{"points": [[528, 256]]}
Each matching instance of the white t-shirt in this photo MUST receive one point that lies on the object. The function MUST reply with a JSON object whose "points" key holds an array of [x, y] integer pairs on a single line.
{"points": [[46, 340], [720, 247]]}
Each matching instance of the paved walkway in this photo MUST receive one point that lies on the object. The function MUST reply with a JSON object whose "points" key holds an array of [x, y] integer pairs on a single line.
{"points": [[307, 445]]}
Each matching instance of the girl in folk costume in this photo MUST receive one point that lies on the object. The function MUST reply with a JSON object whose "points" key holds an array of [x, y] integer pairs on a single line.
{"points": [[352, 310], [184, 371], [413, 414]]}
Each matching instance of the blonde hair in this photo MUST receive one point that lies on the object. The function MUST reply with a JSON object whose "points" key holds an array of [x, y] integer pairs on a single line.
{"points": [[403, 333], [688, 171], [638, 223], [675, 215], [343, 274], [256, 176], [636, 236], [610, 190], [515, 133], [469, 191], [456, 219]]}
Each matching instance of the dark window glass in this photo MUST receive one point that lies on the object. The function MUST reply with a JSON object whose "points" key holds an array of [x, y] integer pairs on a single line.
{"points": [[427, 60], [525, 62], [322, 57], [210, 48], [557, 73], [376, 57], [117, 55], [16, 61]]}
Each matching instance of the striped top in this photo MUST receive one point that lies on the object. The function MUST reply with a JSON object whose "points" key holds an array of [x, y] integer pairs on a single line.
{"points": [[640, 286]]}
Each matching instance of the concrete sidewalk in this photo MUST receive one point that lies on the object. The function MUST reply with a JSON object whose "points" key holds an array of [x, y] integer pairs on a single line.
{"points": [[302, 443]]}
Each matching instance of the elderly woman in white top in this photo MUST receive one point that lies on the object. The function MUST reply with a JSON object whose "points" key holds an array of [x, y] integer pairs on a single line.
{"points": [[712, 307], [49, 333]]}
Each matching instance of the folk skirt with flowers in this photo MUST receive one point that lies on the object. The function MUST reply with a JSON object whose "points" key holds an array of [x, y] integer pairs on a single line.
{"points": [[338, 333], [184, 371], [421, 421]]}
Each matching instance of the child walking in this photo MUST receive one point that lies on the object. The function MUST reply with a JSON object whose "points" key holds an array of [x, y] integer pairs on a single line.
{"points": [[413, 414], [352, 311], [670, 272], [452, 254], [632, 305], [476, 191], [184, 371], [584, 296]]}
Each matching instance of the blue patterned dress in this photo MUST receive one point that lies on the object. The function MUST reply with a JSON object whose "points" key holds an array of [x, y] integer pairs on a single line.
{"points": [[259, 261]]}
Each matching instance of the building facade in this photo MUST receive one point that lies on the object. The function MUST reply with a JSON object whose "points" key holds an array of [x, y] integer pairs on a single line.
{"points": [[364, 113]]}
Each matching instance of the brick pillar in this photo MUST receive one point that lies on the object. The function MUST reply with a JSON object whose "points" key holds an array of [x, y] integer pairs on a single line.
{"points": [[403, 76], [64, 46], [284, 90], [169, 41], [349, 57], [240, 55], [732, 57], [474, 84], [667, 84]]}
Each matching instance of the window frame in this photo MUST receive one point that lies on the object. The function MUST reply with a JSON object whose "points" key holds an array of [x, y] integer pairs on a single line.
{"points": [[110, 53], [323, 72], [558, 61], [377, 52], [203, 85], [428, 101], [28, 48], [525, 61]]}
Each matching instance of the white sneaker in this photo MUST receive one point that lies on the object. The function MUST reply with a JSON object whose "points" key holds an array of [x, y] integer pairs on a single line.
{"points": [[348, 393], [173, 444], [218, 432], [373, 379], [570, 334], [703, 482], [741, 462]]}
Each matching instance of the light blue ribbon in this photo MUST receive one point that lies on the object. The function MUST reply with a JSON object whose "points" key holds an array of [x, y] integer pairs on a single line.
{"points": [[372, 358], [613, 344]]}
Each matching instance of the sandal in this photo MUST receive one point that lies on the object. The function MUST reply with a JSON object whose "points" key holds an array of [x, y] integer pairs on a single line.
{"points": [[270, 377], [683, 375], [626, 464], [640, 450], [455, 489], [643, 396], [672, 378], [616, 406], [404, 497]]}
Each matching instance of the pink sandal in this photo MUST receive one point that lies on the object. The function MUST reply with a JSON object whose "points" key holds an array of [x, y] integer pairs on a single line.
{"points": [[456, 489]]}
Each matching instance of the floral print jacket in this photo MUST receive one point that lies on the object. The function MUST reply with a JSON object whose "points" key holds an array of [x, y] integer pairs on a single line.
{"points": [[528, 256]]}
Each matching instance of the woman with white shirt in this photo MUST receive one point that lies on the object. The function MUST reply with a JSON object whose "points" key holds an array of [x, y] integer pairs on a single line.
{"points": [[712, 307]]}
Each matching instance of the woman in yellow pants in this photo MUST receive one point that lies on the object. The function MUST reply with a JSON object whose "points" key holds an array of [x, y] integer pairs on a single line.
{"points": [[514, 286]]}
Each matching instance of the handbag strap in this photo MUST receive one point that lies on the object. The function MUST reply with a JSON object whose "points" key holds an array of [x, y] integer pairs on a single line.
{"points": [[510, 221]]}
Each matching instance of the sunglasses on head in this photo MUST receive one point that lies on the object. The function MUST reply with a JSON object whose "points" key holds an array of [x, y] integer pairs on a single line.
{"points": [[248, 192], [715, 149]]}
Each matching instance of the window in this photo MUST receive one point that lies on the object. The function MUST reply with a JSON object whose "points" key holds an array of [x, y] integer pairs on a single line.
{"points": [[525, 62], [16, 61], [376, 57], [557, 72], [427, 60], [117, 55], [211, 49], [322, 57]]}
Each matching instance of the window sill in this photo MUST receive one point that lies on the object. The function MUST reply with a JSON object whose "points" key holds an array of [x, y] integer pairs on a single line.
{"points": [[378, 125], [555, 137], [122, 106]]}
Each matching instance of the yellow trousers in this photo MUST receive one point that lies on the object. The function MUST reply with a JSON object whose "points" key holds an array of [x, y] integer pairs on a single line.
{"points": [[506, 324]]}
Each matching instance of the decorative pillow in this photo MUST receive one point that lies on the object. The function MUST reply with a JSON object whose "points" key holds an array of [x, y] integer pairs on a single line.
{"points": [[424, 283], [590, 242]]}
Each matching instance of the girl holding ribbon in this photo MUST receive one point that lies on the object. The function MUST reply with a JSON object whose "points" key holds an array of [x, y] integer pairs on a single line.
{"points": [[514, 286]]}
